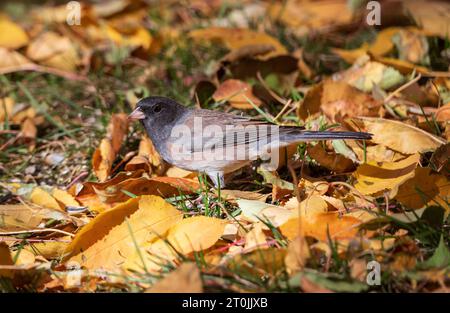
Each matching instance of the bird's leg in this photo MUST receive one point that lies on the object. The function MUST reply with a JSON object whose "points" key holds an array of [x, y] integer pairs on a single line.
{"points": [[217, 178]]}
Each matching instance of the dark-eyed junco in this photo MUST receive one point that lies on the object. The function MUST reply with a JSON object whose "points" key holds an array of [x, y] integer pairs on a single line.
{"points": [[215, 142]]}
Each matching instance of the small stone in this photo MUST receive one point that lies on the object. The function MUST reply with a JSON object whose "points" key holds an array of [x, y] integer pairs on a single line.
{"points": [[54, 159], [30, 170]]}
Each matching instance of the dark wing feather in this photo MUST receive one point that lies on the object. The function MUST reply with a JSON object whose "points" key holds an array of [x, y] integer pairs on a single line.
{"points": [[244, 135]]}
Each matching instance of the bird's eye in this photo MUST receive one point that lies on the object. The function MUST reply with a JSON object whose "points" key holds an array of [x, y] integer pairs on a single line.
{"points": [[157, 108]]}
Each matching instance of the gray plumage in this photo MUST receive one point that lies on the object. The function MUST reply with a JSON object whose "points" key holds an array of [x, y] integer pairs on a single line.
{"points": [[212, 132]]}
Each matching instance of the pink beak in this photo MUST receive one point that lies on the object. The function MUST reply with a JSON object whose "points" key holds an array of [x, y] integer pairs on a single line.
{"points": [[137, 114]]}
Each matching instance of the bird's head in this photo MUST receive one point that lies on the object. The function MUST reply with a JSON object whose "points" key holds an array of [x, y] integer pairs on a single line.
{"points": [[156, 108]]}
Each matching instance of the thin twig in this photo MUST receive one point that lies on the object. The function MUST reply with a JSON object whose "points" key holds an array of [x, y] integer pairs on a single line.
{"points": [[279, 115], [42, 69], [81, 176], [272, 93], [401, 88], [43, 230]]}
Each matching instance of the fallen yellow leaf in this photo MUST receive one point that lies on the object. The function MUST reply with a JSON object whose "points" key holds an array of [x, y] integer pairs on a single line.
{"points": [[373, 177], [191, 234], [408, 139], [196, 233], [153, 218], [24, 257], [255, 239], [297, 255], [64, 197], [101, 225], [321, 225], [50, 249], [13, 36], [42, 198]]}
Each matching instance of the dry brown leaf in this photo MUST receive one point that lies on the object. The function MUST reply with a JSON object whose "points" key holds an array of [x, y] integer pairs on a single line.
{"points": [[433, 16], [304, 68], [105, 154], [237, 93], [51, 14], [17, 217], [381, 46], [280, 195], [100, 196], [254, 211], [312, 205], [425, 188], [310, 188], [5, 259], [147, 158], [102, 159], [28, 132], [28, 113], [365, 75], [407, 139], [374, 177], [259, 262], [440, 161], [231, 195], [117, 130], [321, 225], [28, 129], [330, 160], [297, 255], [255, 239], [128, 21], [185, 278], [337, 100], [443, 113], [358, 269], [177, 172], [23, 257], [12, 59], [55, 51], [306, 16], [338, 204], [314, 217], [6, 108], [376, 153], [412, 46], [110, 8], [406, 67], [236, 38]]}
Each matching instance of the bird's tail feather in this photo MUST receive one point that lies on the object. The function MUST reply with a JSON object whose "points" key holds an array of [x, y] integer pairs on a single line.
{"points": [[323, 135]]}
